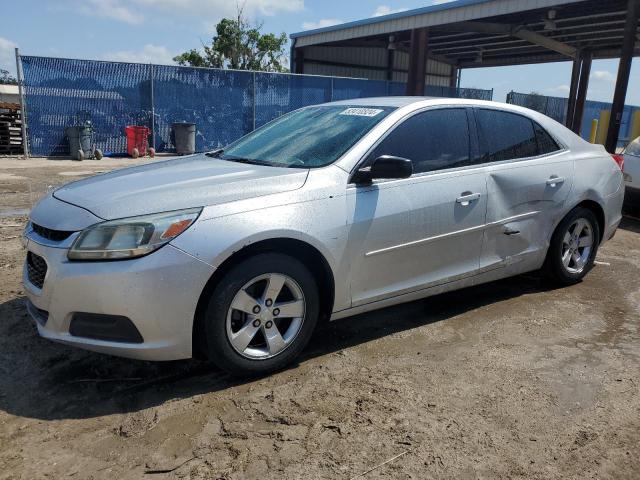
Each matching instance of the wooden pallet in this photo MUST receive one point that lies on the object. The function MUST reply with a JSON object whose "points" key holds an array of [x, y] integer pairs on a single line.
{"points": [[11, 141]]}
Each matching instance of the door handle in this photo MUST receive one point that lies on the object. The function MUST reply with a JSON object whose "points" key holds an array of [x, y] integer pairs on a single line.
{"points": [[554, 180], [467, 197]]}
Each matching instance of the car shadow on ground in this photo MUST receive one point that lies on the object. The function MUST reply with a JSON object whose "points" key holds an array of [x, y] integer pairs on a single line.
{"points": [[44, 380], [631, 222]]}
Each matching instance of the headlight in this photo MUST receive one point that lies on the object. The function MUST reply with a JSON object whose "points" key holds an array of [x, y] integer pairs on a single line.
{"points": [[131, 237]]}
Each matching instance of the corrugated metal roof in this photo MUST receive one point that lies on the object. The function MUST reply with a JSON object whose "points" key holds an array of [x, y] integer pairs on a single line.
{"points": [[451, 12]]}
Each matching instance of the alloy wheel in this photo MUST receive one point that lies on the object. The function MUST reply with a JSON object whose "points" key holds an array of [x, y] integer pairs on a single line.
{"points": [[265, 316], [576, 246]]}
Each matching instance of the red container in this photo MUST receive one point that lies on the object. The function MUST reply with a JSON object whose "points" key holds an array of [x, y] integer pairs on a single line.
{"points": [[137, 139]]}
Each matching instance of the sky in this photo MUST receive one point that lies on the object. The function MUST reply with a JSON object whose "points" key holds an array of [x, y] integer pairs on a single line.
{"points": [[154, 31]]}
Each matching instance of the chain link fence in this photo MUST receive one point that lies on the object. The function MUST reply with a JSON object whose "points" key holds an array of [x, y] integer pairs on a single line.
{"points": [[224, 104], [556, 108]]}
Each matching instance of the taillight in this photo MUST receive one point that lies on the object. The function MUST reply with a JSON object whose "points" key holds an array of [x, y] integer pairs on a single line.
{"points": [[619, 159]]}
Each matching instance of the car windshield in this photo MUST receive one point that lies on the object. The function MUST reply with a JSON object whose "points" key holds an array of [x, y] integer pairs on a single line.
{"points": [[633, 148], [307, 138]]}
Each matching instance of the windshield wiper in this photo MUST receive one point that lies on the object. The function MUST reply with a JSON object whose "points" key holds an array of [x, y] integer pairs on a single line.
{"points": [[215, 153], [250, 161]]}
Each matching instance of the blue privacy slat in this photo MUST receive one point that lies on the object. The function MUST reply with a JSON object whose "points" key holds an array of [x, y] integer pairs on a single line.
{"points": [[224, 104]]}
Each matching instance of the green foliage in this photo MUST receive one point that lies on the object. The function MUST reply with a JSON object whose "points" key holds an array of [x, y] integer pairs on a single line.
{"points": [[6, 78], [240, 46]]}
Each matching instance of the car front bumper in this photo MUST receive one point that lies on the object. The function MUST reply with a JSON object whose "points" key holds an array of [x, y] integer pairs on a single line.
{"points": [[158, 293]]}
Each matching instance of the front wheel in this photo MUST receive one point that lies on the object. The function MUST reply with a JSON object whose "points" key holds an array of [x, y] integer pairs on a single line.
{"points": [[261, 314], [573, 247]]}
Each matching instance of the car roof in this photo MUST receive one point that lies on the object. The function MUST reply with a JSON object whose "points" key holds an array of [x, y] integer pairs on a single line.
{"points": [[407, 101], [382, 101]]}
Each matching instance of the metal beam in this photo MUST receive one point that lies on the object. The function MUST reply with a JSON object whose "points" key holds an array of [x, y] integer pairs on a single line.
{"points": [[624, 70], [600, 53], [516, 31], [583, 86], [23, 104], [299, 60], [573, 92], [453, 79], [417, 61], [390, 63]]}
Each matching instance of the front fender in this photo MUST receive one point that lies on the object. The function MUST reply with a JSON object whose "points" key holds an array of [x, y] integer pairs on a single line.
{"points": [[321, 224]]}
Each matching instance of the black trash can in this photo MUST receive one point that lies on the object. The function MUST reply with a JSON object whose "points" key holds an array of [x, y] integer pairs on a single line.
{"points": [[184, 138], [79, 141]]}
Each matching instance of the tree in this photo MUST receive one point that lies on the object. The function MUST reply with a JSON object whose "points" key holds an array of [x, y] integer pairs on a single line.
{"points": [[6, 78], [239, 46]]}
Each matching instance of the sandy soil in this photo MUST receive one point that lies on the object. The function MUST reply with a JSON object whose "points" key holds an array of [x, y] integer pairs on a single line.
{"points": [[508, 380]]}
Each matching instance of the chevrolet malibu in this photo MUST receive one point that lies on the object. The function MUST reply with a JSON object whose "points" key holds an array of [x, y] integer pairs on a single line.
{"points": [[326, 212]]}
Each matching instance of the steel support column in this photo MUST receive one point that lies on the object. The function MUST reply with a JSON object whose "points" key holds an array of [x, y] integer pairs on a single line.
{"points": [[583, 86], [417, 61], [299, 60], [453, 79], [390, 62], [624, 70], [23, 104], [573, 92]]}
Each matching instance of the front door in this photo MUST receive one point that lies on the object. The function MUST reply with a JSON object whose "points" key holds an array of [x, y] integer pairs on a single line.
{"points": [[410, 234]]}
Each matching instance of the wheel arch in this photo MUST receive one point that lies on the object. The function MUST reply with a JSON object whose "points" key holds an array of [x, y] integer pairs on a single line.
{"points": [[591, 204], [597, 210], [303, 251]]}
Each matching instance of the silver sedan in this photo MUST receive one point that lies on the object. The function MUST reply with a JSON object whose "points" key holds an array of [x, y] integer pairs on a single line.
{"points": [[329, 211]]}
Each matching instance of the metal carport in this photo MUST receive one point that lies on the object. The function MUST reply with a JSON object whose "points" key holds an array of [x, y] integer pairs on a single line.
{"points": [[431, 45]]}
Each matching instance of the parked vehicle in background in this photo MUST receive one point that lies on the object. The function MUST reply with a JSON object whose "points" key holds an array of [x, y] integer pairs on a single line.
{"points": [[327, 212], [632, 174]]}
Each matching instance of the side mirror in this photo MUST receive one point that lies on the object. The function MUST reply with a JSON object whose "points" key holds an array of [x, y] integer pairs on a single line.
{"points": [[386, 166]]}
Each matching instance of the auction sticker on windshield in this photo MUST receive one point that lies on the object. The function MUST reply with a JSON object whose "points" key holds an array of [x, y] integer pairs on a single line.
{"points": [[361, 112]]}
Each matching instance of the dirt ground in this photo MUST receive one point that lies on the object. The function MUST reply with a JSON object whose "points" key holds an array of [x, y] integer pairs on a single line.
{"points": [[507, 380]]}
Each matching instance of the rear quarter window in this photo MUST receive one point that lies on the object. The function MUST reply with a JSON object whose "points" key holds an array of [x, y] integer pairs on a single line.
{"points": [[505, 136]]}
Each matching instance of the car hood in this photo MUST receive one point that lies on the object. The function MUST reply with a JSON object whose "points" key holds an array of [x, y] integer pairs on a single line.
{"points": [[194, 181]]}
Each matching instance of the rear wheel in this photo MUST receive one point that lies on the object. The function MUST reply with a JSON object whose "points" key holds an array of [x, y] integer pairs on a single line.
{"points": [[261, 314], [573, 247]]}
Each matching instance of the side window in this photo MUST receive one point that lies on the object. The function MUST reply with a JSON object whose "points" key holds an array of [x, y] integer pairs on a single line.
{"points": [[505, 136], [546, 144], [432, 140]]}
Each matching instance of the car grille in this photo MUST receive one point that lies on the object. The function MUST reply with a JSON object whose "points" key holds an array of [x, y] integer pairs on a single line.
{"points": [[49, 234], [36, 269]]}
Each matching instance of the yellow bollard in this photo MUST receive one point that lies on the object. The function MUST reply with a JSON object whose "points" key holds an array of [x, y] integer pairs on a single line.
{"points": [[634, 132], [603, 126], [594, 130]]}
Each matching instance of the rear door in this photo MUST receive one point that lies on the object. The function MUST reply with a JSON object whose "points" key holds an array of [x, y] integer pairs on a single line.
{"points": [[529, 177], [409, 234]]}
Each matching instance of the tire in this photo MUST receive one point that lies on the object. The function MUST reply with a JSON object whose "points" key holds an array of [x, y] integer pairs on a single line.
{"points": [[80, 155], [563, 242], [152, 152], [232, 321], [97, 153], [135, 153]]}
